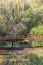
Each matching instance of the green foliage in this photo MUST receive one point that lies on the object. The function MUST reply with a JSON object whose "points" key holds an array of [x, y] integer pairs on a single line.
{"points": [[21, 17], [41, 63], [24, 44], [17, 15], [37, 30], [34, 60], [35, 44], [21, 12]]}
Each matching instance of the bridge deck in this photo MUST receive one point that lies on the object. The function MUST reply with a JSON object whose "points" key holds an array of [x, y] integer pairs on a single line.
{"points": [[26, 51], [14, 38]]}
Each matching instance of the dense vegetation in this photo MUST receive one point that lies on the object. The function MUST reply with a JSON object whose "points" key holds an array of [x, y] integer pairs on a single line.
{"points": [[21, 17]]}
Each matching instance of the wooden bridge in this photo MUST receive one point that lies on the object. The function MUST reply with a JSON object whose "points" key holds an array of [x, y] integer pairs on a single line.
{"points": [[19, 37]]}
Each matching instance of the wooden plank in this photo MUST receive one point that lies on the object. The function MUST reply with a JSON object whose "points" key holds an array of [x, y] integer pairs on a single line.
{"points": [[19, 37]]}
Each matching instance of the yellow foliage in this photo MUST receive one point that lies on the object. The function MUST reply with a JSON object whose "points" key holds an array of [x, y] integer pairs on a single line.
{"points": [[33, 3], [38, 8], [1, 17], [19, 3], [1, 59], [26, 39]]}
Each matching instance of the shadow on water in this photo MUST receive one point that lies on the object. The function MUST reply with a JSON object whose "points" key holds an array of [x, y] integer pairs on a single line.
{"points": [[11, 48]]}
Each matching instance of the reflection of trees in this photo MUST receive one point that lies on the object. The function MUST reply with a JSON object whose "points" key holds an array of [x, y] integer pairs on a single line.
{"points": [[31, 59]]}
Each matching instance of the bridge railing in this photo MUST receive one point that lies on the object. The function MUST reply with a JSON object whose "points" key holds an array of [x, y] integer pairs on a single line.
{"points": [[19, 37]]}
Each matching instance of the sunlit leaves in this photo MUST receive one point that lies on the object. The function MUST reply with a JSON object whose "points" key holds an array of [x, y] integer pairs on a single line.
{"points": [[37, 30], [33, 3], [1, 59], [28, 14], [36, 5], [1, 17], [38, 9]]}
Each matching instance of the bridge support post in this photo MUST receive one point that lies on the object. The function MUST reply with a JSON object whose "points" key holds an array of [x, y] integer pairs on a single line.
{"points": [[12, 43]]}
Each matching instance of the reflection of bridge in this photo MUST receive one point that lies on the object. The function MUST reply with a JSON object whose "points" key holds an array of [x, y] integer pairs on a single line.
{"points": [[19, 37]]}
